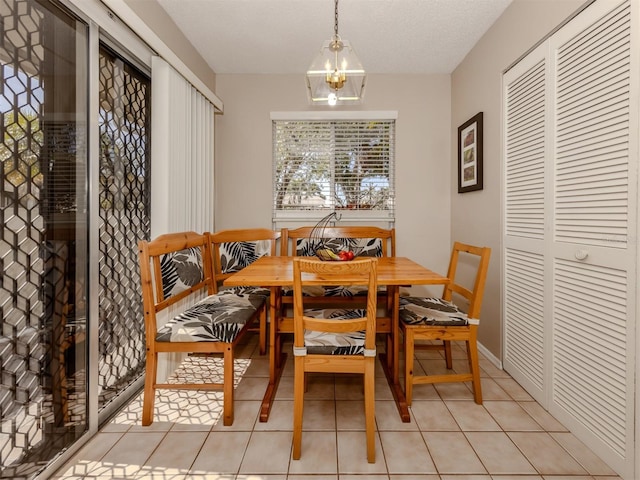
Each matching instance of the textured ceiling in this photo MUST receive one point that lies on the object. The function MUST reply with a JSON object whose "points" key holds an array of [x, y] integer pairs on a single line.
{"points": [[283, 36]]}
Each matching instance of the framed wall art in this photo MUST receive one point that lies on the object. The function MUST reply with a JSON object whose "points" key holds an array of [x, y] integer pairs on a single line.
{"points": [[470, 155]]}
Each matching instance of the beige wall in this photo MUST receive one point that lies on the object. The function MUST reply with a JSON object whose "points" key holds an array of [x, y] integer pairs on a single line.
{"points": [[158, 20], [244, 165], [476, 87]]}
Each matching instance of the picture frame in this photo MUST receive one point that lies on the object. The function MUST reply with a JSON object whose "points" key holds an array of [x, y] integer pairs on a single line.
{"points": [[470, 155]]}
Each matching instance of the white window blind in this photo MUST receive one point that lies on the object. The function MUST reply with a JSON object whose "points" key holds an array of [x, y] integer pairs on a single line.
{"points": [[343, 165]]}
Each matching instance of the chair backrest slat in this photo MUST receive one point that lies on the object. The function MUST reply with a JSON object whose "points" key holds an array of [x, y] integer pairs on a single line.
{"points": [[476, 293]]}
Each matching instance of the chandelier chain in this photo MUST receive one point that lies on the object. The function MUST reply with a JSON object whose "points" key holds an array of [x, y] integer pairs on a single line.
{"points": [[336, 20]]}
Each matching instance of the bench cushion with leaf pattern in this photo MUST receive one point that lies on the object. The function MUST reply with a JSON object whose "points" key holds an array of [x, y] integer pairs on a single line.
{"points": [[431, 311], [216, 318], [234, 256], [362, 247], [181, 270]]}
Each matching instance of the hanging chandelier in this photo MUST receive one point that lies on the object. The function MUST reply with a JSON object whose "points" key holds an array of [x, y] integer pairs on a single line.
{"points": [[336, 76]]}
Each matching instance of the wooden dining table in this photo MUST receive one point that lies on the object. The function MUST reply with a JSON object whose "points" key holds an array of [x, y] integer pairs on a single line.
{"points": [[276, 273]]}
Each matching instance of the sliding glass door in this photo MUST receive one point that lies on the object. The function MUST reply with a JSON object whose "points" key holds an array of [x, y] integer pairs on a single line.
{"points": [[43, 237], [51, 326]]}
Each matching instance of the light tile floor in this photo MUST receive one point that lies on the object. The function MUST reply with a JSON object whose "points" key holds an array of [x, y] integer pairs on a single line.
{"points": [[509, 437]]}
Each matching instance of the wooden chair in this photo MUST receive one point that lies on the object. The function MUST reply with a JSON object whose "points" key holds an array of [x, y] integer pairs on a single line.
{"points": [[176, 272], [369, 241], [235, 249], [440, 319], [343, 342]]}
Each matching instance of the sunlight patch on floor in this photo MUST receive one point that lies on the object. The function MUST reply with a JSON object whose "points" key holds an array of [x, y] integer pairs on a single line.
{"points": [[187, 407]]}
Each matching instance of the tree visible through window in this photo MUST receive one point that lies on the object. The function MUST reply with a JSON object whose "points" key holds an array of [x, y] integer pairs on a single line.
{"points": [[334, 165]]}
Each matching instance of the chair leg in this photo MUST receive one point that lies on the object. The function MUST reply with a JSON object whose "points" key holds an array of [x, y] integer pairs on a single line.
{"points": [[227, 402], [298, 406], [369, 408], [474, 366], [447, 354], [408, 362], [149, 388]]}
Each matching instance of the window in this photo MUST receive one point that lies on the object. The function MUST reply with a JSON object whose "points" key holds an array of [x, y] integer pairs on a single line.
{"points": [[346, 165]]}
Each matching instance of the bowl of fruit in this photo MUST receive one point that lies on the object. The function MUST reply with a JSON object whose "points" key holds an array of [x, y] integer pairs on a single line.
{"points": [[331, 249], [329, 255]]}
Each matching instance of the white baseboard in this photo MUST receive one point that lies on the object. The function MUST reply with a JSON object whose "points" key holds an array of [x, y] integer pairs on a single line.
{"points": [[489, 356]]}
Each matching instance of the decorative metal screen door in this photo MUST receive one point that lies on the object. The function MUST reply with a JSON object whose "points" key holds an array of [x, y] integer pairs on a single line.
{"points": [[124, 219]]}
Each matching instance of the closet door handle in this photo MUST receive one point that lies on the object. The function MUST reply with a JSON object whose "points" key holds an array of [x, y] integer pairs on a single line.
{"points": [[581, 254]]}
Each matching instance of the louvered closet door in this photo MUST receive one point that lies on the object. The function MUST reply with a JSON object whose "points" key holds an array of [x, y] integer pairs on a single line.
{"points": [[594, 227], [570, 226], [525, 146]]}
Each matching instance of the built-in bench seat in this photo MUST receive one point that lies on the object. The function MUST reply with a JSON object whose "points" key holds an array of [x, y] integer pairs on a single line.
{"points": [[178, 282]]}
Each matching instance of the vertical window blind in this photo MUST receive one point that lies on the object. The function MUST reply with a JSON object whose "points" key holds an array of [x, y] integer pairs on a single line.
{"points": [[347, 166], [183, 151]]}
